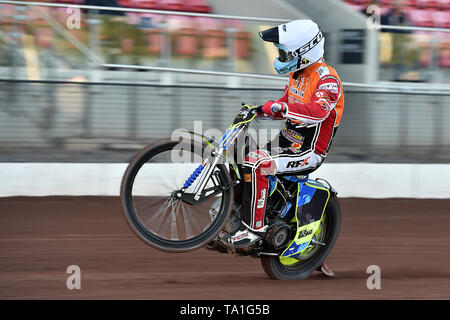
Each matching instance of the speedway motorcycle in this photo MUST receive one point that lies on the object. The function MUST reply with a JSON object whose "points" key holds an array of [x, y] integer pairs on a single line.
{"points": [[177, 195]]}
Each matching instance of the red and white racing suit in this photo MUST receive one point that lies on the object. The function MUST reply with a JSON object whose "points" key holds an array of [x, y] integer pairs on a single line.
{"points": [[314, 102]]}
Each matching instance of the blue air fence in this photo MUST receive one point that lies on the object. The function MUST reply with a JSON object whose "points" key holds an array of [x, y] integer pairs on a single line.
{"points": [[108, 122]]}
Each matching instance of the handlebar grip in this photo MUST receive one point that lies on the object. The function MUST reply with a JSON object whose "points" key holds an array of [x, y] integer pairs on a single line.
{"points": [[276, 107]]}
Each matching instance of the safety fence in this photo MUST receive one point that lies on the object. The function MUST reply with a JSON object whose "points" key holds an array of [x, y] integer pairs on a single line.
{"points": [[45, 118], [365, 180]]}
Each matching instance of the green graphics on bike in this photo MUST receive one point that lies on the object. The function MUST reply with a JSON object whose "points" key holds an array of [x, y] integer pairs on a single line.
{"points": [[245, 116], [312, 199]]}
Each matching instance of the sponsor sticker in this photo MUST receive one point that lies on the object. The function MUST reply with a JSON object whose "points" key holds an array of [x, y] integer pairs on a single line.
{"points": [[304, 233], [332, 87], [292, 136], [262, 200], [297, 92], [298, 86], [307, 47], [240, 237], [323, 71], [296, 164], [296, 147]]}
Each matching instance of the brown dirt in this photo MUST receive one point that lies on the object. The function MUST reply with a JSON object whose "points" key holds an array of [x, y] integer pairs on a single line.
{"points": [[40, 237]]}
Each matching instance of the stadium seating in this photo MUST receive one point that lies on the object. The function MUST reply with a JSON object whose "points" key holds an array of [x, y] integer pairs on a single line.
{"points": [[213, 37], [190, 37], [199, 6], [422, 13], [140, 4], [71, 1], [173, 5], [444, 57]]}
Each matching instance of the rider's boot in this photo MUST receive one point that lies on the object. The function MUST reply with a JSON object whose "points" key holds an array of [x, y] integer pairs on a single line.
{"points": [[238, 234], [243, 237], [234, 232]]}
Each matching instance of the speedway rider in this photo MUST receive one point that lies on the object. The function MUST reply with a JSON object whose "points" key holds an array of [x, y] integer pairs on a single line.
{"points": [[312, 106]]}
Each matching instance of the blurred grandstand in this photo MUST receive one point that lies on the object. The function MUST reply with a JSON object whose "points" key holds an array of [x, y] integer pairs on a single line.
{"points": [[415, 49], [137, 70], [199, 42], [133, 37]]}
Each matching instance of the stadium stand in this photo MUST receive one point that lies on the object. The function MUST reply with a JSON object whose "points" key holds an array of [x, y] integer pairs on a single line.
{"points": [[193, 36], [420, 13], [200, 6], [190, 37]]}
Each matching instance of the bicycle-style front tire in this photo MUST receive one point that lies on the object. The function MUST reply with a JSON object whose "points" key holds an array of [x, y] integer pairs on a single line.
{"points": [[159, 219]]}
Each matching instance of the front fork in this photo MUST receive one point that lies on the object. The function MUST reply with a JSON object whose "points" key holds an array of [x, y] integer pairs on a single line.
{"points": [[203, 172], [205, 177], [206, 168]]}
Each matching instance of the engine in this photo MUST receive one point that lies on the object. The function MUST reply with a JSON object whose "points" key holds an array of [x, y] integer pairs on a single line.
{"points": [[278, 235]]}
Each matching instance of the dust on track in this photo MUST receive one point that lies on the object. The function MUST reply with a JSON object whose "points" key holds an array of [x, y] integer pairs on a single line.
{"points": [[41, 236]]}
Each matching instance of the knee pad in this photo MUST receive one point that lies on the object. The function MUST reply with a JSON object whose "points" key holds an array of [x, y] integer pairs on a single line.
{"points": [[261, 162]]}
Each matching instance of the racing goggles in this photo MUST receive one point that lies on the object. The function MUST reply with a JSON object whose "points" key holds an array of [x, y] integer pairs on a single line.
{"points": [[283, 54]]}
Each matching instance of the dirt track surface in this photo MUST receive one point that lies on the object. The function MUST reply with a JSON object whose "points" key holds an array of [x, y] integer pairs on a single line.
{"points": [[40, 237]]}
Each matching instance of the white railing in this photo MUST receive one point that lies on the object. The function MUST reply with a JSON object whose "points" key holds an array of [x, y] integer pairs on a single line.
{"points": [[394, 87]]}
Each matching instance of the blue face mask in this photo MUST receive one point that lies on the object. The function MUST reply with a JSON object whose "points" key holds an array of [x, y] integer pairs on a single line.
{"points": [[285, 67]]}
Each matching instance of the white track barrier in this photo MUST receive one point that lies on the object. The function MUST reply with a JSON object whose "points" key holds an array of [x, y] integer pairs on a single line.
{"points": [[366, 180]]}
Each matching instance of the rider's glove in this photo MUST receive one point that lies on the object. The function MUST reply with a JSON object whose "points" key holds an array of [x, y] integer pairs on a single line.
{"points": [[273, 109]]}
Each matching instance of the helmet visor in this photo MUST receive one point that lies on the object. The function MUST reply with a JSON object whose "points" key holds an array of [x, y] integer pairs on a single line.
{"points": [[270, 35]]}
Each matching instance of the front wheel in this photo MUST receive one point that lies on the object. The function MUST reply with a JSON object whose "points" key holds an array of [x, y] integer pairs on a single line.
{"points": [[152, 209], [291, 269]]}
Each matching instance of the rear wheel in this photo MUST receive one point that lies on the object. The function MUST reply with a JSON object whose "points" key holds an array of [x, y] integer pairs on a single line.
{"points": [[156, 214], [312, 257]]}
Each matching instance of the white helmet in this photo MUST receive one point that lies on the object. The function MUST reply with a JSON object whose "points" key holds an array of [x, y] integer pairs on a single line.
{"points": [[300, 43]]}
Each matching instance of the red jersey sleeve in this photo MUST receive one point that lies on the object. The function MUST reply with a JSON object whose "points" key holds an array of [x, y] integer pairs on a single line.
{"points": [[279, 115], [285, 97], [324, 99]]}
